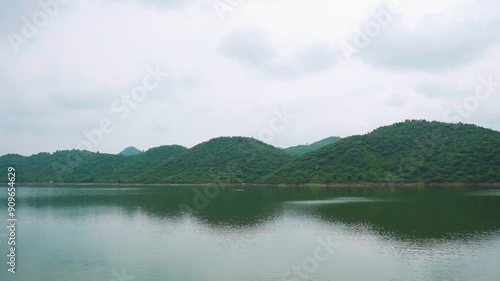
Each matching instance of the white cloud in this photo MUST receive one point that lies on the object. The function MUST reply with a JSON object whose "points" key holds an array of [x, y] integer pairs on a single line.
{"points": [[252, 48], [228, 76]]}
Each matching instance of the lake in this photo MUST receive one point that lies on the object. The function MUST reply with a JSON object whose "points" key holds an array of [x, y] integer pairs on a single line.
{"points": [[253, 233]]}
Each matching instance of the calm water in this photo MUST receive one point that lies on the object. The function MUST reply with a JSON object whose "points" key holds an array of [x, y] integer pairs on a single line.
{"points": [[159, 233]]}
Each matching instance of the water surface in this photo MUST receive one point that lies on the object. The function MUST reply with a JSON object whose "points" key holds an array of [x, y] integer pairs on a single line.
{"points": [[250, 233]]}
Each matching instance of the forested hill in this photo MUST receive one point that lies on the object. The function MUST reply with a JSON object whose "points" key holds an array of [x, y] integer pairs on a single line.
{"points": [[411, 151], [220, 160]]}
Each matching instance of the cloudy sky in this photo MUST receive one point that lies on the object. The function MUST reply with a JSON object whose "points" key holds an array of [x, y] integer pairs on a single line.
{"points": [[93, 74]]}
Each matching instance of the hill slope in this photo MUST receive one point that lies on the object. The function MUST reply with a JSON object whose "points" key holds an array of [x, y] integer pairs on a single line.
{"points": [[303, 149], [412, 151], [64, 166], [220, 160], [134, 166]]}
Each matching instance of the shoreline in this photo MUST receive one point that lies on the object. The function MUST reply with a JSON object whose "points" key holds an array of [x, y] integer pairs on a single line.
{"points": [[337, 185]]}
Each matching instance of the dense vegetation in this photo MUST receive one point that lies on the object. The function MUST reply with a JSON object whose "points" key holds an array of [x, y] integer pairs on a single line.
{"points": [[63, 166], [303, 149], [220, 160], [412, 151]]}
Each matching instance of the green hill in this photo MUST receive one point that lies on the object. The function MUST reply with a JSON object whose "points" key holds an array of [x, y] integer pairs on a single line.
{"points": [[134, 167], [407, 152], [303, 149], [129, 151], [64, 166], [220, 160], [412, 151]]}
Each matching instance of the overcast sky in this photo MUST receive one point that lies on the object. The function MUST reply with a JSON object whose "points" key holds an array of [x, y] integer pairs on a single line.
{"points": [[278, 70]]}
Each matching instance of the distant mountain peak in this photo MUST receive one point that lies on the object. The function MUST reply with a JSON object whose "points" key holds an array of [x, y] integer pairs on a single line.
{"points": [[303, 149], [129, 151]]}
